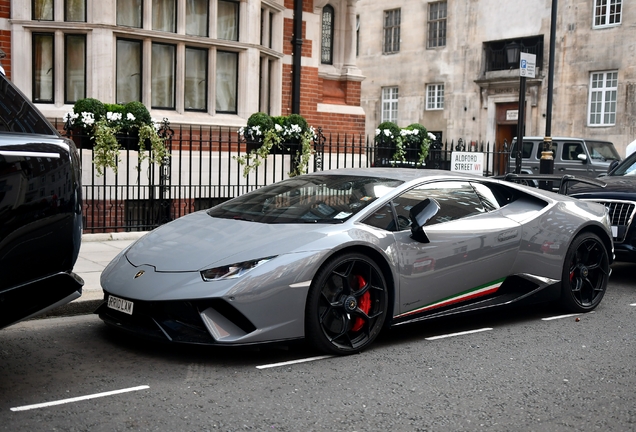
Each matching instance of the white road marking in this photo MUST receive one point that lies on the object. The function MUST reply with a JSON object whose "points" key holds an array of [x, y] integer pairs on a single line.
{"points": [[305, 360], [559, 317], [458, 334], [77, 399]]}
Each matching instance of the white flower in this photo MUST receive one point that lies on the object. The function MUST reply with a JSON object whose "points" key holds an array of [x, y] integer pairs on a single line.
{"points": [[278, 127], [88, 118], [111, 116], [431, 136], [241, 131], [377, 132], [416, 132], [130, 117], [70, 116], [387, 133]]}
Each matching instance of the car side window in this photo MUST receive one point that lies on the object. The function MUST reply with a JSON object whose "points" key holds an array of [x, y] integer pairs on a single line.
{"points": [[571, 151], [457, 199], [382, 218], [526, 149], [555, 147]]}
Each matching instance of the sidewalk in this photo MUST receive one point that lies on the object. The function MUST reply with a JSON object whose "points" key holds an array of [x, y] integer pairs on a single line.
{"points": [[96, 251]]}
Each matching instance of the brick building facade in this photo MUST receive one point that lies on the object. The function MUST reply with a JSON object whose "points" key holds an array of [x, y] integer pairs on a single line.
{"points": [[255, 35]]}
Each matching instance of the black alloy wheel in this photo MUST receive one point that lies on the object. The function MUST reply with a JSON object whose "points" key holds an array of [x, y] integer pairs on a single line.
{"points": [[585, 273], [347, 304]]}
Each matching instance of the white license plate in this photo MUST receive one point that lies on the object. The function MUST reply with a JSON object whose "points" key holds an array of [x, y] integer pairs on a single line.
{"points": [[120, 305], [614, 231]]}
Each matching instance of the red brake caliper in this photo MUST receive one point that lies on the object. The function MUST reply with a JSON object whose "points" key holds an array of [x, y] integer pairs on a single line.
{"points": [[364, 304]]}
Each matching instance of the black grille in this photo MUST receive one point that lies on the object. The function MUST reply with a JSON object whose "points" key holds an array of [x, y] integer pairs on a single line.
{"points": [[621, 213]]}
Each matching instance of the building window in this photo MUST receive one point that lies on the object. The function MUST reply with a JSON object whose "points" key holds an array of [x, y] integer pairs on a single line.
{"points": [[267, 19], [42, 10], [162, 73], [43, 73], [603, 92], [197, 17], [326, 46], [75, 10], [196, 79], [227, 20], [435, 96], [74, 67], [607, 12], [437, 24], [128, 71], [164, 15], [266, 86], [389, 104], [129, 13], [226, 81], [391, 31]]}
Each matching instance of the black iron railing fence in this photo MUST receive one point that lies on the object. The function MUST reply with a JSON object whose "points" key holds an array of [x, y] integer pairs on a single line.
{"points": [[202, 171]]}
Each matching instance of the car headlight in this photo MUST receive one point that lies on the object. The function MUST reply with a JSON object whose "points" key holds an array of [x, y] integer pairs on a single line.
{"points": [[232, 271]]}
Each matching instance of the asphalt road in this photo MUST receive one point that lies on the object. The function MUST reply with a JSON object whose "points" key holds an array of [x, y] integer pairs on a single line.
{"points": [[518, 372]]}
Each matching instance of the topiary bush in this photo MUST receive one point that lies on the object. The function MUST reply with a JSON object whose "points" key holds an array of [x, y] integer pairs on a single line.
{"points": [[139, 111], [88, 111]]}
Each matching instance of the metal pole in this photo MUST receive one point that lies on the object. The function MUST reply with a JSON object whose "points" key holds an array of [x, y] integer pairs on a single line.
{"points": [[520, 122], [297, 42], [546, 164]]}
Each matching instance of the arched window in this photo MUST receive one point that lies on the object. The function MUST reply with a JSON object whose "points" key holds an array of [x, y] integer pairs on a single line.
{"points": [[326, 49]]}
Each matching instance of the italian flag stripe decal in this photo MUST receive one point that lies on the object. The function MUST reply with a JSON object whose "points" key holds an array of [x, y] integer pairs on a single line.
{"points": [[480, 291]]}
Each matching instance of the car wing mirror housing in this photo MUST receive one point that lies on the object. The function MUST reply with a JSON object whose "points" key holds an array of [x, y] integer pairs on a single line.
{"points": [[420, 214], [582, 157], [612, 165]]}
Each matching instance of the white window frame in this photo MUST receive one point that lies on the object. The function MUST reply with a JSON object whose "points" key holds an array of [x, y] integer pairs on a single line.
{"points": [[390, 99], [606, 15], [603, 98], [435, 97]]}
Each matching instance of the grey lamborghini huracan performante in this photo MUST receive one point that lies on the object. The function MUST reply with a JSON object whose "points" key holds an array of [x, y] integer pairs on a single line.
{"points": [[335, 256]]}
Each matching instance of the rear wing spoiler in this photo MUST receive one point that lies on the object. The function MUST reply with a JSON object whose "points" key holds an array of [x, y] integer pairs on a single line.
{"points": [[549, 179]]}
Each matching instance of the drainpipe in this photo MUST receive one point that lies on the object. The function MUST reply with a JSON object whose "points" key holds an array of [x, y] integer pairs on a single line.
{"points": [[297, 42]]}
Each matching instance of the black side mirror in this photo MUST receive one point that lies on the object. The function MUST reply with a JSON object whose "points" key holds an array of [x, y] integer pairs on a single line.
{"points": [[612, 165], [420, 214]]}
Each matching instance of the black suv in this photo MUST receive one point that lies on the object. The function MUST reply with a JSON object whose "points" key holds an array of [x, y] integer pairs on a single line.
{"points": [[619, 196], [579, 157], [40, 211]]}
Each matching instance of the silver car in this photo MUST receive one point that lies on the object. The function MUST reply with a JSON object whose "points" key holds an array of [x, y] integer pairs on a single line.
{"points": [[335, 256]]}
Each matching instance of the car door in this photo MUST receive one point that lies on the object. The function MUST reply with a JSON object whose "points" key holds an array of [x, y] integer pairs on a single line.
{"points": [[568, 160], [471, 248]]}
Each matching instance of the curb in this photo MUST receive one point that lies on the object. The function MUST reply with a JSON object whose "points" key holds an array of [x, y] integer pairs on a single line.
{"points": [[113, 236], [85, 307]]}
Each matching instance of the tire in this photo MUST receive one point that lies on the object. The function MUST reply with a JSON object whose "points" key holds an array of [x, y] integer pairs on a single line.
{"points": [[346, 305], [585, 274]]}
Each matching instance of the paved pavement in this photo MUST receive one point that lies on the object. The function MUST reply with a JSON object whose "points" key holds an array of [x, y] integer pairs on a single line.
{"points": [[96, 251]]}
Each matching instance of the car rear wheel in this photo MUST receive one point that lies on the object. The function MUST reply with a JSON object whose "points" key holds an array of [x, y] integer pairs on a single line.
{"points": [[347, 304], [585, 273]]}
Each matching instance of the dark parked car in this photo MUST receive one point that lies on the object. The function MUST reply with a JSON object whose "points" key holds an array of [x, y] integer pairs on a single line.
{"points": [[579, 157], [619, 196], [40, 211]]}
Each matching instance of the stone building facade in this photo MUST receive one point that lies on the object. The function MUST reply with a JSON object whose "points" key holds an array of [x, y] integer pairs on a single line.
{"points": [[443, 64], [195, 62]]}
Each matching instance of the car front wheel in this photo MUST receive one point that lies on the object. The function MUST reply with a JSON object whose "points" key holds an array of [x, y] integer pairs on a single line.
{"points": [[585, 273], [346, 305]]}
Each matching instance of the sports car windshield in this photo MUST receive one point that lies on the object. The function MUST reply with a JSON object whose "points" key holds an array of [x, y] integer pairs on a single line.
{"points": [[307, 199], [627, 168]]}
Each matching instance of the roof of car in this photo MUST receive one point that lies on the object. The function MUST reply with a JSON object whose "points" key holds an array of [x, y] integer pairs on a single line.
{"points": [[403, 174]]}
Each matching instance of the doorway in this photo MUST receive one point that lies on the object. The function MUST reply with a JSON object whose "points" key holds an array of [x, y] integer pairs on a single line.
{"points": [[506, 130]]}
